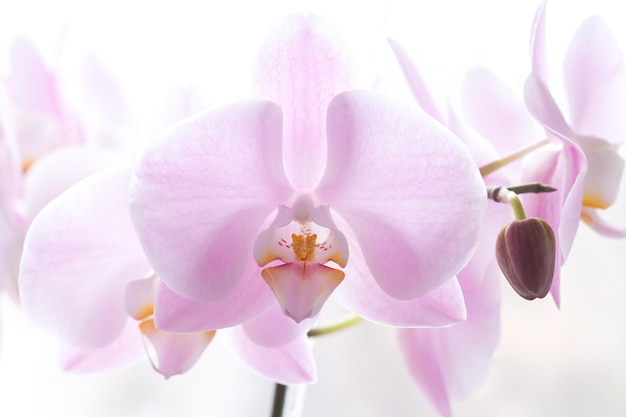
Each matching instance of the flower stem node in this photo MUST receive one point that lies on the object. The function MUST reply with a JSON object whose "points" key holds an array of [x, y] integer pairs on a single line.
{"points": [[526, 250]]}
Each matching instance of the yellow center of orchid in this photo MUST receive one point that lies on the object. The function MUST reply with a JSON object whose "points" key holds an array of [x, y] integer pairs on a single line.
{"points": [[303, 246]]}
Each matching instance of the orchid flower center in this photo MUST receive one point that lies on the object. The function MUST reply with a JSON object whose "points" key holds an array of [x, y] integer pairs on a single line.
{"points": [[301, 282]]}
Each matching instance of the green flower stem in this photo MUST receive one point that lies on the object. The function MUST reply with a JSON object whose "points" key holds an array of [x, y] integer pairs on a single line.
{"points": [[516, 205], [335, 326], [495, 165]]}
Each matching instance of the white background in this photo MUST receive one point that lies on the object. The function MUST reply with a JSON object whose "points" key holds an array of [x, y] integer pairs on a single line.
{"points": [[569, 362]]}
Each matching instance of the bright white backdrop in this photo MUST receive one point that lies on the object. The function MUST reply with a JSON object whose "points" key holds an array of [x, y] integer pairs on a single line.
{"points": [[549, 363]]}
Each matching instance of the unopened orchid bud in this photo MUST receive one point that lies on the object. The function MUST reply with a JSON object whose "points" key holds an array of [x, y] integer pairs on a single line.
{"points": [[526, 250]]}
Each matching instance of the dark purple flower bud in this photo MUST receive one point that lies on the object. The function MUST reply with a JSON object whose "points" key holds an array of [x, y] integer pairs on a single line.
{"points": [[526, 251]]}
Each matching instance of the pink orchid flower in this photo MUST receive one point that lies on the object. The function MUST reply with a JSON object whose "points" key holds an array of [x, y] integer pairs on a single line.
{"points": [[85, 279], [450, 362], [293, 182], [595, 81]]}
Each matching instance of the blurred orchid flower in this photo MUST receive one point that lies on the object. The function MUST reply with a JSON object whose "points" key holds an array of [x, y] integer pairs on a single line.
{"points": [[293, 182], [451, 362], [84, 278], [595, 81], [40, 152], [41, 118]]}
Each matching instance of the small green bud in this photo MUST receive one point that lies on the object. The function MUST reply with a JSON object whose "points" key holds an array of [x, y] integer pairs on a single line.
{"points": [[526, 251]]}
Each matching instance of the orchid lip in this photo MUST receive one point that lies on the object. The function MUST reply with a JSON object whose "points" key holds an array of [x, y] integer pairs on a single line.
{"points": [[302, 283]]}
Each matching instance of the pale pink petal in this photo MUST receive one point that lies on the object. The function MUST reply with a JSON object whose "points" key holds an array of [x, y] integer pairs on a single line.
{"points": [[11, 174], [416, 84], [12, 222], [450, 363], [102, 93], [32, 86], [56, 172], [360, 294], [425, 367], [538, 54], [140, 296], [292, 363], [79, 254], [201, 193], [126, 349], [496, 113], [302, 288], [572, 173], [251, 298], [274, 328], [173, 353], [571, 182], [11, 241], [302, 64], [181, 101], [482, 151], [604, 173], [595, 80], [407, 187], [43, 122], [593, 220], [544, 109]]}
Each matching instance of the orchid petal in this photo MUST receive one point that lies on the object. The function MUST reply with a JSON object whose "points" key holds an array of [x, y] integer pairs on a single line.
{"points": [[538, 54], [81, 248], [572, 174], [360, 294], [56, 172], [102, 93], [416, 84], [604, 173], [302, 288], [492, 109], [595, 80], [292, 363], [201, 193], [11, 175], [274, 328], [544, 109], [407, 187], [251, 298], [593, 220], [301, 65], [481, 150], [126, 349], [139, 298], [11, 242], [173, 353], [42, 123], [32, 86], [451, 362]]}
